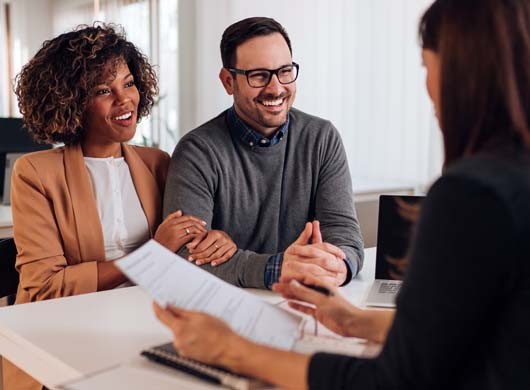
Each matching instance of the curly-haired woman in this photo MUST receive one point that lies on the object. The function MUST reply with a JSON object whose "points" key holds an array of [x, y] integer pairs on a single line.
{"points": [[79, 206]]}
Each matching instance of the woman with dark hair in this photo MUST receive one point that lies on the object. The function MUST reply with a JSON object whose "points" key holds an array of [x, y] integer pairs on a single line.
{"points": [[78, 207], [463, 314]]}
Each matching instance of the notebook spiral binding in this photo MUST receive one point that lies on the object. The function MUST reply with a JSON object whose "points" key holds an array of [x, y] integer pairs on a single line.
{"points": [[166, 355]]}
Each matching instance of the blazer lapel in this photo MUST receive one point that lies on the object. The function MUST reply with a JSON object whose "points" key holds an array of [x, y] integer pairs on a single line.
{"points": [[88, 225], [146, 187]]}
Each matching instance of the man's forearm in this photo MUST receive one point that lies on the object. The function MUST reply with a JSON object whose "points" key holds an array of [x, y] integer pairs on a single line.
{"points": [[244, 269]]}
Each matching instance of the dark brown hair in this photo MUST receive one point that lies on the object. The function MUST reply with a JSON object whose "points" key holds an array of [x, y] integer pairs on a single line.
{"points": [[56, 85], [245, 29], [484, 49]]}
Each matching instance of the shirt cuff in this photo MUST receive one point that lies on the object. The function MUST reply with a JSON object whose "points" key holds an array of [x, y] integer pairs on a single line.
{"points": [[349, 270], [273, 269]]}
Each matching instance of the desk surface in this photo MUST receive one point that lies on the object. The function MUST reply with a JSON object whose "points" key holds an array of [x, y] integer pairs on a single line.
{"points": [[64, 339], [6, 222]]}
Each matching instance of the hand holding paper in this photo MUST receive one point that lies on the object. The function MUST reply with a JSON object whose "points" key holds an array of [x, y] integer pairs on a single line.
{"points": [[171, 280]]}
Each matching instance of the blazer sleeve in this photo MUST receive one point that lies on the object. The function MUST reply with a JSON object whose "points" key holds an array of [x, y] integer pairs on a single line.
{"points": [[44, 271]]}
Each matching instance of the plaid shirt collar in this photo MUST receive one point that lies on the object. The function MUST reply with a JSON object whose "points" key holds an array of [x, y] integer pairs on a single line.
{"points": [[251, 137]]}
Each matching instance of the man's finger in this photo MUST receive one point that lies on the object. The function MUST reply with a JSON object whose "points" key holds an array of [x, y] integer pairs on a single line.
{"points": [[300, 271], [309, 255], [307, 266], [330, 264], [318, 250], [332, 249], [316, 237], [304, 237]]}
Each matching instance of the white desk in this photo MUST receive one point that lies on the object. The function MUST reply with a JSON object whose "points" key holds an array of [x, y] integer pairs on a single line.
{"points": [[64, 339], [6, 222]]}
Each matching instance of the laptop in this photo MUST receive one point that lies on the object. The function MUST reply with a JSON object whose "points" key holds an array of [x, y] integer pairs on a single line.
{"points": [[394, 234]]}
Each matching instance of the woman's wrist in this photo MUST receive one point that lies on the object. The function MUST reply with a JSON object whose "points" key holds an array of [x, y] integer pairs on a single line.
{"points": [[281, 368], [237, 350], [376, 323]]}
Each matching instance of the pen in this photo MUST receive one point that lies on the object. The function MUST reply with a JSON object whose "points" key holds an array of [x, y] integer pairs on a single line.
{"points": [[322, 290]]}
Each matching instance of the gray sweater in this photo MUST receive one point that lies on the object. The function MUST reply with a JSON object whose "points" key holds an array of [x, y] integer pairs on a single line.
{"points": [[262, 197]]}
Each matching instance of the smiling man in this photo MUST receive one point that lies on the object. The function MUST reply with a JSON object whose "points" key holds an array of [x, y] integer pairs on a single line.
{"points": [[261, 170]]}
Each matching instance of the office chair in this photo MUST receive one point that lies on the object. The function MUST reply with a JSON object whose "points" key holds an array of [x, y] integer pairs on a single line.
{"points": [[8, 273]]}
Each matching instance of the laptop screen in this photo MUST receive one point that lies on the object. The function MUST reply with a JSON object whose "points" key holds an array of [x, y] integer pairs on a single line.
{"points": [[397, 214]]}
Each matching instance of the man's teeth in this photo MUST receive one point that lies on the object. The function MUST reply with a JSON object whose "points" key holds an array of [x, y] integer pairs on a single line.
{"points": [[276, 102], [123, 117]]}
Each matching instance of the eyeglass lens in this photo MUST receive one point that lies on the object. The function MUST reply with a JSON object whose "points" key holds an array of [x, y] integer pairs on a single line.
{"points": [[260, 78]]}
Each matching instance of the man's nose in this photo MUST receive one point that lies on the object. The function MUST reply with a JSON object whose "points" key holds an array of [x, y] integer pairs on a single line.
{"points": [[274, 84]]}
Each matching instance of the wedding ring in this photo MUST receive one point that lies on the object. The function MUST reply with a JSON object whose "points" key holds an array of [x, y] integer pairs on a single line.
{"points": [[187, 231], [216, 246]]}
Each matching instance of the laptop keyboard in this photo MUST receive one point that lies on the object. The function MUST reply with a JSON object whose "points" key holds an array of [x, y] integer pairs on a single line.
{"points": [[389, 288]]}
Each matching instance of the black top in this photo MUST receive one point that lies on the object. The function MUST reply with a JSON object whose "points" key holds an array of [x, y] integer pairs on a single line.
{"points": [[463, 313]]}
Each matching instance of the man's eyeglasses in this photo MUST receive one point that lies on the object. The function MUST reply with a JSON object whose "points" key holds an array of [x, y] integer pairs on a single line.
{"points": [[259, 78]]}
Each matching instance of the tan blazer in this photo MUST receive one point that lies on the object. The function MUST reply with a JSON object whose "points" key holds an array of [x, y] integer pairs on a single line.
{"points": [[57, 229]]}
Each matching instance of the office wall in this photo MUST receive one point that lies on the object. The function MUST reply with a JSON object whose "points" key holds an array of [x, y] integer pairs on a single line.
{"points": [[30, 25], [4, 82], [360, 67]]}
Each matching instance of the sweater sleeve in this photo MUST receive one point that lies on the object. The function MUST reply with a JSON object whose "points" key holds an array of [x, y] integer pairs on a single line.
{"points": [[448, 301], [191, 185], [44, 271], [334, 206]]}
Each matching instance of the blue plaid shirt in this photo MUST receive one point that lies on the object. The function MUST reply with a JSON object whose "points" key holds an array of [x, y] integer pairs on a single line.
{"points": [[251, 137]]}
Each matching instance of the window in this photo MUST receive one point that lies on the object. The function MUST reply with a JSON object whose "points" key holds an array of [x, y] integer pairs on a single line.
{"points": [[150, 24], [360, 67]]}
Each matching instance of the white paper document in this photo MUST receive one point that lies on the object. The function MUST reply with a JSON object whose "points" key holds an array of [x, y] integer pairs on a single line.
{"points": [[172, 280]]}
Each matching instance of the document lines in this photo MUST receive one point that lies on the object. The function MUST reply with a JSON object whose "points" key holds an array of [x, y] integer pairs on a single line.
{"points": [[171, 280]]}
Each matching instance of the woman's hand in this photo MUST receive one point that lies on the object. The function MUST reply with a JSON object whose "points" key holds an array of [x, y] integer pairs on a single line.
{"points": [[199, 336], [177, 230], [215, 247], [209, 340], [334, 311]]}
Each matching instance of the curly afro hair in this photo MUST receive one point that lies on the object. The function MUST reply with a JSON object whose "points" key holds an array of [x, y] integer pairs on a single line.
{"points": [[55, 87]]}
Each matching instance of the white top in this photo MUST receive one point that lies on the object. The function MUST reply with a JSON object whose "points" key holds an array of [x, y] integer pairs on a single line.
{"points": [[122, 218]]}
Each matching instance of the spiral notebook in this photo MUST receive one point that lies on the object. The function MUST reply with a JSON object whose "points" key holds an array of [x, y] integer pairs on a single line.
{"points": [[167, 355]]}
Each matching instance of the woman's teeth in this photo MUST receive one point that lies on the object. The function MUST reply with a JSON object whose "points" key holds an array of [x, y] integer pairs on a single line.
{"points": [[124, 116]]}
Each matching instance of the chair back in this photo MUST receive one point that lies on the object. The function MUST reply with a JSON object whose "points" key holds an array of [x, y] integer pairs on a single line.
{"points": [[8, 273]]}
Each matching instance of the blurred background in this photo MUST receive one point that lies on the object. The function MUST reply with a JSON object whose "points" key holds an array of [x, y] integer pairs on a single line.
{"points": [[360, 67]]}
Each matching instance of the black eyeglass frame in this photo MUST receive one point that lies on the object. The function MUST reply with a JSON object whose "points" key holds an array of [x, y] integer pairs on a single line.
{"points": [[271, 72]]}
